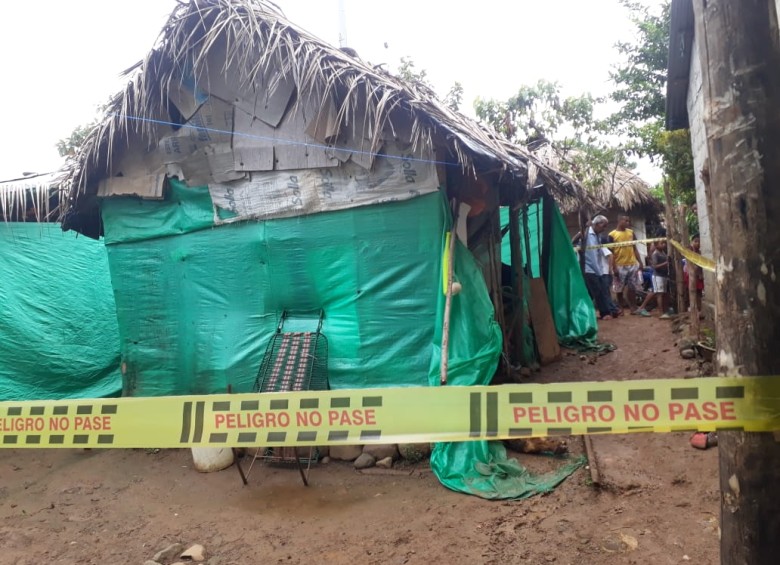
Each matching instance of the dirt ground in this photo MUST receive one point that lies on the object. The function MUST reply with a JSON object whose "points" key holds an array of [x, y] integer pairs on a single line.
{"points": [[658, 502]]}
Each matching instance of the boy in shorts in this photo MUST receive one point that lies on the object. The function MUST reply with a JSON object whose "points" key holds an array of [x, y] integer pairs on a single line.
{"points": [[660, 262]]}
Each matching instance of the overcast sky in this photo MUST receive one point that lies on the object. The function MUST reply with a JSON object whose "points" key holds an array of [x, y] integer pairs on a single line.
{"points": [[60, 59]]}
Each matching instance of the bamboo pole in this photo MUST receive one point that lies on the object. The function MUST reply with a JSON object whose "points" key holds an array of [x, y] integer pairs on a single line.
{"points": [[445, 337]]}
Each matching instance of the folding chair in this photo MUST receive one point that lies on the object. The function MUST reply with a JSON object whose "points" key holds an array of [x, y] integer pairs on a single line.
{"points": [[293, 361]]}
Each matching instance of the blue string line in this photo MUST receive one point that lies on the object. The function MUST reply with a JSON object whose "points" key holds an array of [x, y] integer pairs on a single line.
{"points": [[282, 141]]}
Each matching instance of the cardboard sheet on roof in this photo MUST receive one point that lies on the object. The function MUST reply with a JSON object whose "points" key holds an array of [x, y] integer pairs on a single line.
{"points": [[396, 175]]}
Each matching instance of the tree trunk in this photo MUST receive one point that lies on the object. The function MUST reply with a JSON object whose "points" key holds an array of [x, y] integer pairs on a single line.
{"points": [[739, 46], [670, 213], [690, 268]]}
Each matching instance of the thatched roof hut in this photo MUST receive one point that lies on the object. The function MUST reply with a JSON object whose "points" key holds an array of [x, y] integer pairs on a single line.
{"points": [[220, 49], [618, 189], [32, 198]]}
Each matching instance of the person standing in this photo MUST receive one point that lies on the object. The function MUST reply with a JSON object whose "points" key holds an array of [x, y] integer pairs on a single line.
{"points": [[660, 262], [626, 262], [595, 268]]}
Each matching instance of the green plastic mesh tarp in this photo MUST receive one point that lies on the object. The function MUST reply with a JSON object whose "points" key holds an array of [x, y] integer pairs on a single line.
{"points": [[572, 307], [58, 330], [196, 307]]}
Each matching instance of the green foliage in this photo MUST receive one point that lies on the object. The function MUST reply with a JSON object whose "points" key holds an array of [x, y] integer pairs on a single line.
{"points": [[69, 146], [454, 97], [640, 80], [539, 113]]}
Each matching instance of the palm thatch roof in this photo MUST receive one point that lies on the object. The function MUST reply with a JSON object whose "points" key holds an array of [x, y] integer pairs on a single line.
{"points": [[617, 187], [33, 198], [251, 40]]}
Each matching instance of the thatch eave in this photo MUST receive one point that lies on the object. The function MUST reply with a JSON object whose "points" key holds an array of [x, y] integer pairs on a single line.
{"points": [[255, 37]]}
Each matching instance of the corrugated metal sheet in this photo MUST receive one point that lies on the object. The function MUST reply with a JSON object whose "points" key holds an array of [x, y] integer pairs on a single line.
{"points": [[680, 49]]}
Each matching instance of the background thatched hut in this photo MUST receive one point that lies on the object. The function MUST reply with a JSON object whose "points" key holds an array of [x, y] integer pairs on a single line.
{"points": [[619, 191]]}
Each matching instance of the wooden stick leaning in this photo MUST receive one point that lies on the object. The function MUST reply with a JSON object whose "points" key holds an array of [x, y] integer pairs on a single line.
{"points": [[445, 337]]}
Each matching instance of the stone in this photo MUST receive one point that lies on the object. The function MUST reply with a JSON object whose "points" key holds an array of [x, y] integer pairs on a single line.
{"points": [[688, 353], [325, 460], [382, 451], [168, 553], [345, 452], [194, 553], [364, 461], [414, 452], [386, 463]]}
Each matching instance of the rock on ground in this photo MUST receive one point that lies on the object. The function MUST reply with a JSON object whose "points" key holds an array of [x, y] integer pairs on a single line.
{"points": [[345, 452], [381, 451], [194, 553], [365, 461], [168, 553], [386, 463]]}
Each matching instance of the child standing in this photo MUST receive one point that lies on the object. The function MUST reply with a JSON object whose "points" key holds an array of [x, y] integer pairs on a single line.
{"points": [[660, 263]]}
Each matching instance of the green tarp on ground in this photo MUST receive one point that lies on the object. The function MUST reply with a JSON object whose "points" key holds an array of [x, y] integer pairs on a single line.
{"points": [[58, 329]]}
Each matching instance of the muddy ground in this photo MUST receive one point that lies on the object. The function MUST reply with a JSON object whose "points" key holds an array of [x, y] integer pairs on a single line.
{"points": [[657, 504]]}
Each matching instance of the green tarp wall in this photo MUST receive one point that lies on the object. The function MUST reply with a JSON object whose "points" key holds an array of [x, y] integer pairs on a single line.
{"points": [[58, 329], [571, 305], [197, 304]]}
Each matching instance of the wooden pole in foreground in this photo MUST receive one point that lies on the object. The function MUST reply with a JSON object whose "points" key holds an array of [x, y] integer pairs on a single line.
{"points": [[739, 49], [445, 334]]}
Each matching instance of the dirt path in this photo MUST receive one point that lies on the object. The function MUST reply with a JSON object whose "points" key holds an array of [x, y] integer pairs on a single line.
{"points": [[658, 505]]}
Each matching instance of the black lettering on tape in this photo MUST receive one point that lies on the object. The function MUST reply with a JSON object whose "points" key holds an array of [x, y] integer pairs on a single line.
{"points": [[109, 409], [599, 396], [37, 410], [730, 428], [218, 438], [640, 428], [338, 436], [641, 394], [9, 439], [372, 401], [370, 434], [84, 409], [105, 439], [60, 410], [56, 439], [247, 437], [79, 439], [33, 439], [277, 437], [14, 410], [599, 430], [307, 403], [691, 393], [521, 432], [558, 431], [341, 402], [220, 406]]}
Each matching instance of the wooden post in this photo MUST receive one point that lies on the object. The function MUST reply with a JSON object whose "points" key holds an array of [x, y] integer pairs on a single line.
{"points": [[679, 280], [445, 334], [739, 49], [690, 268], [518, 314], [671, 232]]}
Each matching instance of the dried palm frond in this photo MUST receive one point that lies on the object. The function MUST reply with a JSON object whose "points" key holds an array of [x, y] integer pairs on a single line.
{"points": [[32, 199], [257, 41]]}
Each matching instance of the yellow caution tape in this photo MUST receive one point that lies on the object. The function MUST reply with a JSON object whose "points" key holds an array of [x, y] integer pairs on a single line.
{"points": [[396, 415], [693, 257], [689, 254]]}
